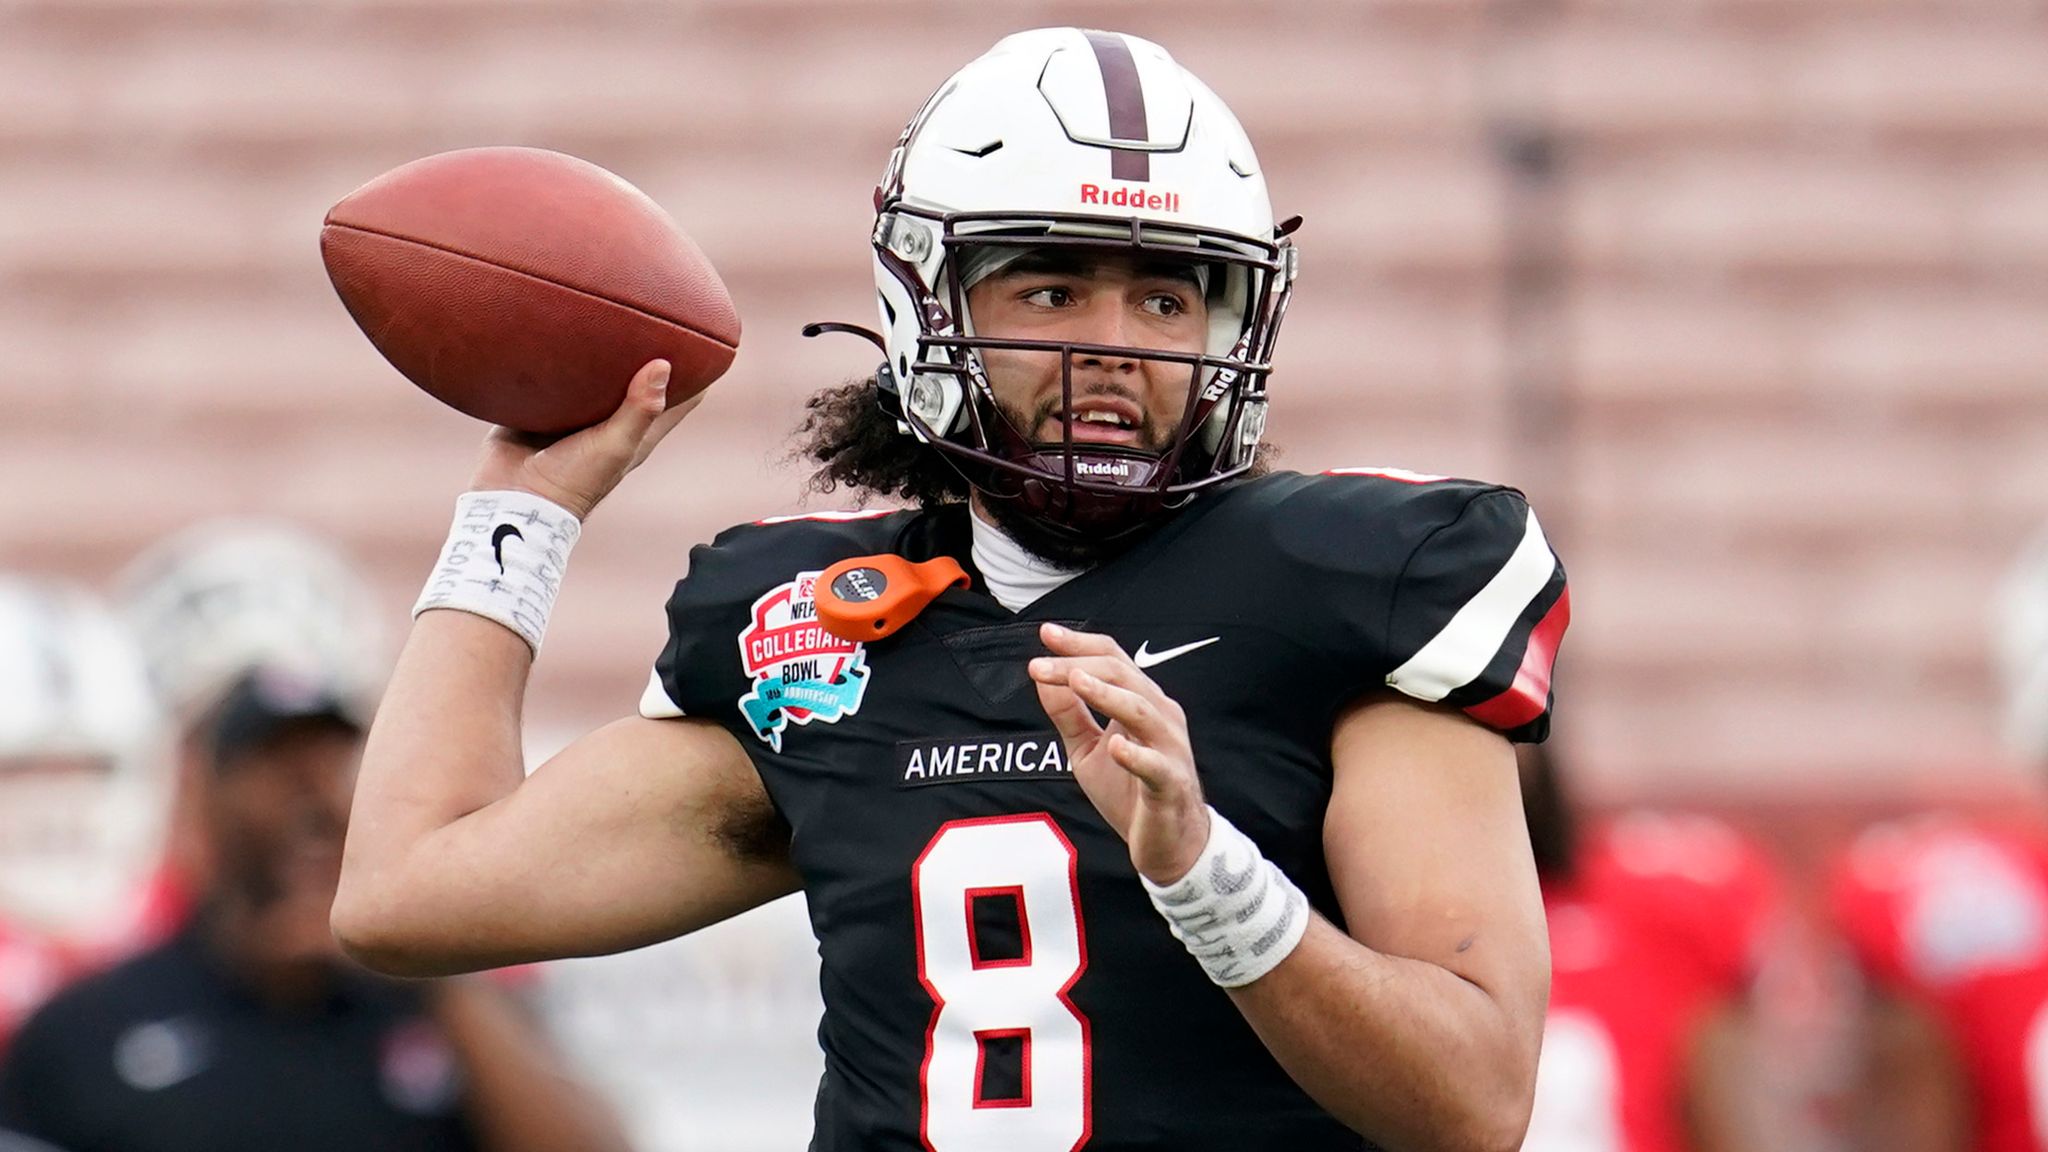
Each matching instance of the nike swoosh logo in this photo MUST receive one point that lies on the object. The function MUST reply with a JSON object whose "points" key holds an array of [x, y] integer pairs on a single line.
{"points": [[498, 536], [1228, 883], [1146, 658]]}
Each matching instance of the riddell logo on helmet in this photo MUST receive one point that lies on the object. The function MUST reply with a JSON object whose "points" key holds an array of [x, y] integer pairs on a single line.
{"points": [[1130, 198], [1111, 469]]}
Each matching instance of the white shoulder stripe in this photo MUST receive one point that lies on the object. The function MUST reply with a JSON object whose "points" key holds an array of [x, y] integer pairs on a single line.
{"points": [[1457, 655], [829, 517], [1401, 474], [654, 703]]}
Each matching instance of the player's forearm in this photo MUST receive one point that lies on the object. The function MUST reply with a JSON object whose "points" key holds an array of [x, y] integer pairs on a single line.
{"points": [[1403, 1051], [446, 743]]}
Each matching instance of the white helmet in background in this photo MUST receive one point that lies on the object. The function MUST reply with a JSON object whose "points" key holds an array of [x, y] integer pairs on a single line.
{"points": [[220, 599], [84, 777], [1091, 141], [2021, 644]]}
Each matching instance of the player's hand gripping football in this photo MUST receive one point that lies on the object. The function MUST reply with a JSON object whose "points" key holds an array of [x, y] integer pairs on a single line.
{"points": [[1139, 770], [578, 470]]}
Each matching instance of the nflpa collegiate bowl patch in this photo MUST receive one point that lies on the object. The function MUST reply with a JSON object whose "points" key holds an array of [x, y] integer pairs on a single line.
{"points": [[800, 671]]}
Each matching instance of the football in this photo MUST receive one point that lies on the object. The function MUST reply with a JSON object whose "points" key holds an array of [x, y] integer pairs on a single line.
{"points": [[525, 287]]}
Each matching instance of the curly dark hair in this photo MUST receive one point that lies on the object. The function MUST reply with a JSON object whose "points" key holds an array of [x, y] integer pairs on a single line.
{"points": [[852, 439]]}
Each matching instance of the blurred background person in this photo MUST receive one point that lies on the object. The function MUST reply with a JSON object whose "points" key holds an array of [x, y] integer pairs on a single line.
{"points": [[246, 1030], [1946, 916], [224, 596], [705, 1042], [82, 785], [1658, 923], [208, 605]]}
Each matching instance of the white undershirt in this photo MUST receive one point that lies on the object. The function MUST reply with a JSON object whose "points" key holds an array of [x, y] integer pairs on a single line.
{"points": [[1015, 577]]}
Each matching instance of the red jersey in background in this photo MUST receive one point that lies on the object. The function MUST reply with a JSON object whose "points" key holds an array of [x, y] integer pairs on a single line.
{"points": [[1661, 921], [1952, 916]]}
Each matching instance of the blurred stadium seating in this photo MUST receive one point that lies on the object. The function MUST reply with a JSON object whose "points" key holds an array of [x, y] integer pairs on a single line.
{"points": [[1787, 415]]}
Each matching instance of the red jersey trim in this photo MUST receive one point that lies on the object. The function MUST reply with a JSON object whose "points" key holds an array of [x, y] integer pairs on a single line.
{"points": [[1529, 695]]}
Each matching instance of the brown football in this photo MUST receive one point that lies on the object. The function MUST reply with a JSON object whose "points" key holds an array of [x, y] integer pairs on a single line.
{"points": [[526, 287]]}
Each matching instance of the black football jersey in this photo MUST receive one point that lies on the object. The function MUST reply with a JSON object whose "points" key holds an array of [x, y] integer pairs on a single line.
{"points": [[994, 977]]}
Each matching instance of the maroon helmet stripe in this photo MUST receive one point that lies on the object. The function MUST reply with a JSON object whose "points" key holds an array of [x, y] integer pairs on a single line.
{"points": [[1126, 105]]}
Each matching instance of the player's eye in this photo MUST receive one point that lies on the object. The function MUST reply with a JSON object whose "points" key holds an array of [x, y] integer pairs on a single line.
{"points": [[1165, 304], [1049, 297]]}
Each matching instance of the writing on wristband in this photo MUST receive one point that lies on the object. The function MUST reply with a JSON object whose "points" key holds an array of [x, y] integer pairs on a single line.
{"points": [[1236, 911], [504, 560]]}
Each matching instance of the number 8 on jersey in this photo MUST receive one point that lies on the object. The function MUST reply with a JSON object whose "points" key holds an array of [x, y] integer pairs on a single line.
{"points": [[1018, 1002]]}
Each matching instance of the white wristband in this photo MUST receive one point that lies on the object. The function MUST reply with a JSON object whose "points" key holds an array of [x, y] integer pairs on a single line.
{"points": [[503, 561], [1236, 911]]}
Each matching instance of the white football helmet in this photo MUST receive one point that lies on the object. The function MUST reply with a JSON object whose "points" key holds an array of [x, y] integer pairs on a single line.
{"points": [[84, 776], [1098, 141], [218, 600]]}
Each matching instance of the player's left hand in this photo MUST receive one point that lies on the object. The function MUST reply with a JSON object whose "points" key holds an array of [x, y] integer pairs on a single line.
{"points": [[1139, 770]]}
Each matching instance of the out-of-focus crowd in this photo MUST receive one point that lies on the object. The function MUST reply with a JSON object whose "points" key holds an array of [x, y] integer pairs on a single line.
{"points": [[1889, 996], [176, 757], [175, 773]]}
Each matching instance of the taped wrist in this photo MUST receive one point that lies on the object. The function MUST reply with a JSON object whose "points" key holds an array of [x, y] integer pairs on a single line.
{"points": [[503, 561], [1236, 911]]}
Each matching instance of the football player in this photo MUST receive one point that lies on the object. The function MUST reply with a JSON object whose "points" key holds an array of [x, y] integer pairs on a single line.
{"points": [[81, 785], [1140, 797], [1947, 918], [1658, 922]]}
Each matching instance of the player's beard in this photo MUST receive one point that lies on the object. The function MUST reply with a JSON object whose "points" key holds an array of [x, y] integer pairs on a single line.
{"points": [[1063, 549], [1067, 552]]}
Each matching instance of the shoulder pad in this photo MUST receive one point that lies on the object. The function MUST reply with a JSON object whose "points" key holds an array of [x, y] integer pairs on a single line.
{"points": [[1443, 589]]}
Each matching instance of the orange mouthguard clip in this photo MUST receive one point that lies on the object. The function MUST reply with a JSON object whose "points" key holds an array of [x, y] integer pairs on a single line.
{"points": [[869, 597]]}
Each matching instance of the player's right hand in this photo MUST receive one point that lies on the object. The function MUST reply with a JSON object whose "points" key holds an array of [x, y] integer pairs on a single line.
{"points": [[578, 470], [1139, 770]]}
